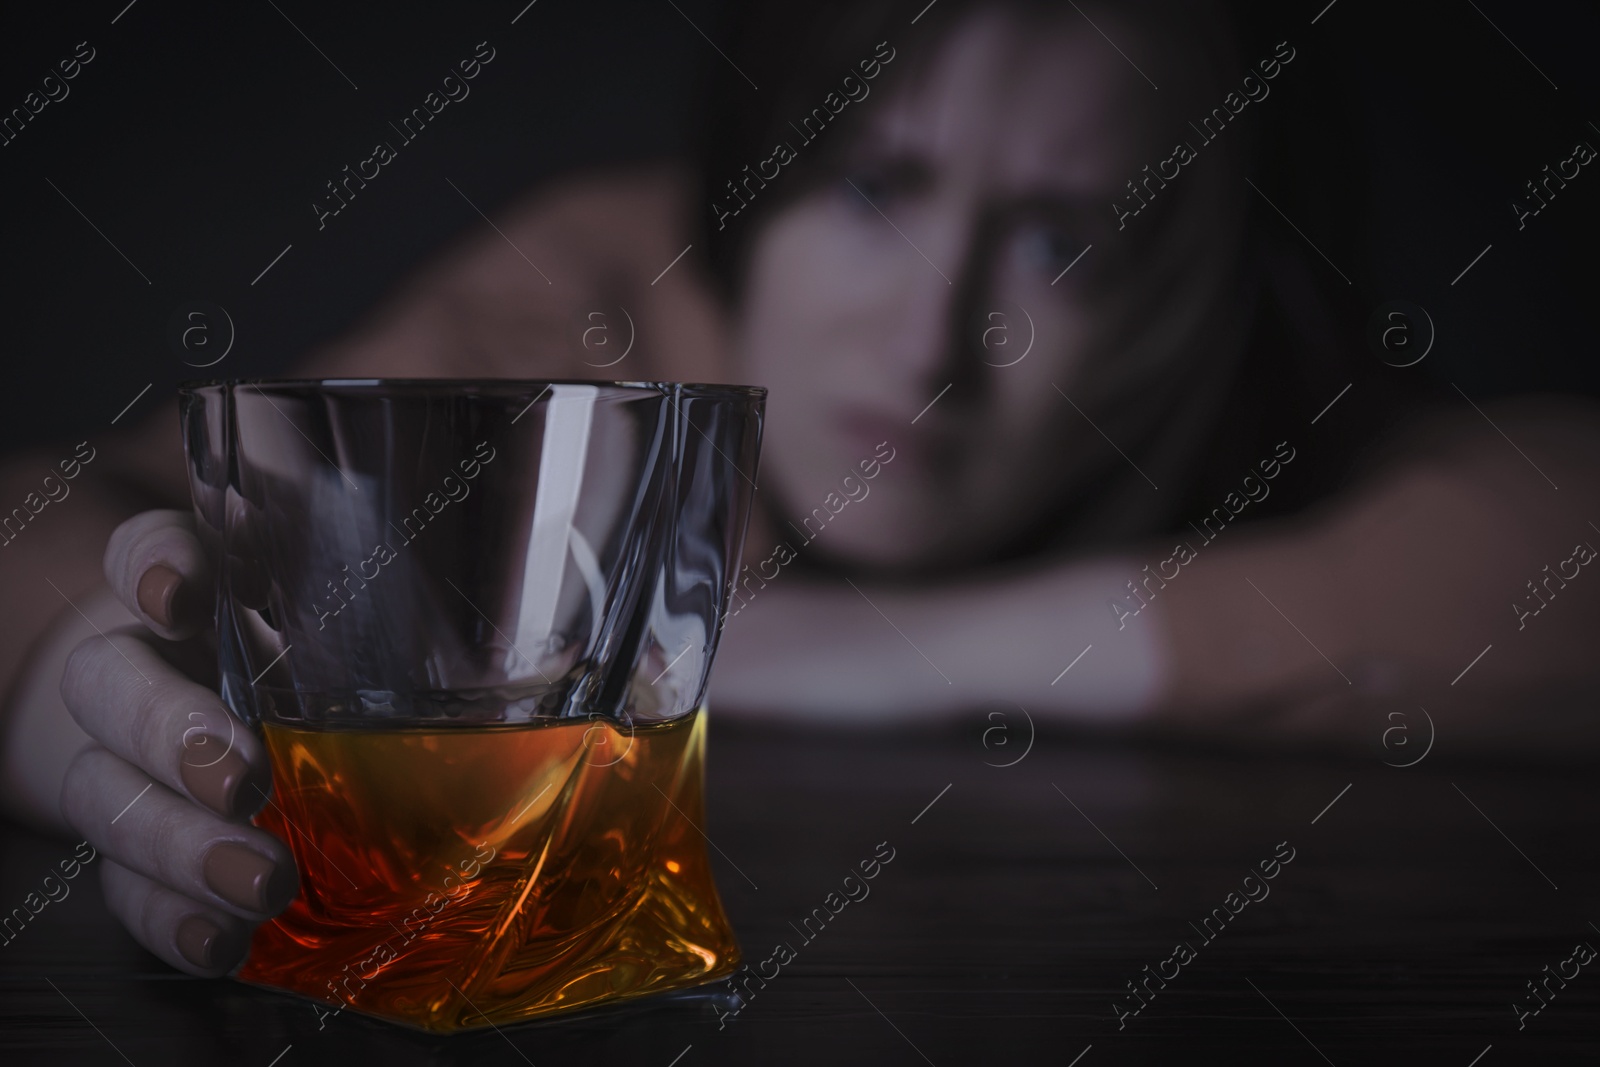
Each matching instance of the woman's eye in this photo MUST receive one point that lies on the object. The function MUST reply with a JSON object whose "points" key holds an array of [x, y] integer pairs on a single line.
{"points": [[1047, 249], [867, 189]]}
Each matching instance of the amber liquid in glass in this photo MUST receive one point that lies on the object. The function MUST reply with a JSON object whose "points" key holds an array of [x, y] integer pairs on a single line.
{"points": [[452, 878]]}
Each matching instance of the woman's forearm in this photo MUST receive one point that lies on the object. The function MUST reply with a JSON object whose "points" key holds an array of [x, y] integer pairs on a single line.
{"points": [[54, 585], [38, 737], [1452, 576], [1410, 583], [1378, 599], [865, 653], [54, 594]]}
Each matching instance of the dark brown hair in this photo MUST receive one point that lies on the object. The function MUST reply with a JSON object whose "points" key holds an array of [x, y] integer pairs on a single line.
{"points": [[1303, 338]]}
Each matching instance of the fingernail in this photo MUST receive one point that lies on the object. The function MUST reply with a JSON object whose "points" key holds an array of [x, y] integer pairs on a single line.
{"points": [[228, 786], [158, 587], [247, 879], [198, 941]]}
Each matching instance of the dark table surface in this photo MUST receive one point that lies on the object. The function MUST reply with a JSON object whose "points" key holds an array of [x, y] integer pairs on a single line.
{"points": [[1021, 901]]}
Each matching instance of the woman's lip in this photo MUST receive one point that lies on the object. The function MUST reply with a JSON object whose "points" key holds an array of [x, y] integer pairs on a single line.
{"points": [[866, 428]]}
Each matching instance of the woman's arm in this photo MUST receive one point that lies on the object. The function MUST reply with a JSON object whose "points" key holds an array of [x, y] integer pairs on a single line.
{"points": [[480, 310], [50, 570], [110, 727], [1377, 600]]}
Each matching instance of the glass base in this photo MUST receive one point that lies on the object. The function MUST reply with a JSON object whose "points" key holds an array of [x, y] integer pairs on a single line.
{"points": [[462, 877]]}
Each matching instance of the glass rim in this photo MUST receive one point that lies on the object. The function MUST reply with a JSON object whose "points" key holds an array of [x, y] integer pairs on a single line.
{"points": [[485, 384]]}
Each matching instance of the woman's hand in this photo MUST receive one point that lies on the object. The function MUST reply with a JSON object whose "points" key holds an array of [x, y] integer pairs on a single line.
{"points": [[166, 790]]}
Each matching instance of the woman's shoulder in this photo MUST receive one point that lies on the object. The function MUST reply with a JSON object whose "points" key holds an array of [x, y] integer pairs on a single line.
{"points": [[567, 280], [602, 220], [644, 200]]}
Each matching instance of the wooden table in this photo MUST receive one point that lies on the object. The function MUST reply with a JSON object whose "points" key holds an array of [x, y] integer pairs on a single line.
{"points": [[1020, 903]]}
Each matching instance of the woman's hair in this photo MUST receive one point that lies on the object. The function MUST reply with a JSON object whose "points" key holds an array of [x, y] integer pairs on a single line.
{"points": [[1298, 322], [792, 55]]}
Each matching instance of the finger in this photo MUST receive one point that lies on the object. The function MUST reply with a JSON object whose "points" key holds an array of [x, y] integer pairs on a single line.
{"points": [[131, 700], [156, 567], [152, 831], [192, 936]]}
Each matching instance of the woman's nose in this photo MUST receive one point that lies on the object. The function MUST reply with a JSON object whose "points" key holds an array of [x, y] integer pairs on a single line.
{"points": [[923, 337]]}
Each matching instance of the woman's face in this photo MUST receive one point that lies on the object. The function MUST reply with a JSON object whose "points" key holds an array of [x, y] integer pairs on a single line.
{"points": [[920, 299]]}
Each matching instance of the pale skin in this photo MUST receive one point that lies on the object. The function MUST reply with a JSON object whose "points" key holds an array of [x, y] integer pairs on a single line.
{"points": [[1392, 585]]}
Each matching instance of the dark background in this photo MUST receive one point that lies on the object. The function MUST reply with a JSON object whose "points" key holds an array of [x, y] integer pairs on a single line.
{"points": [[199, 136]]}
